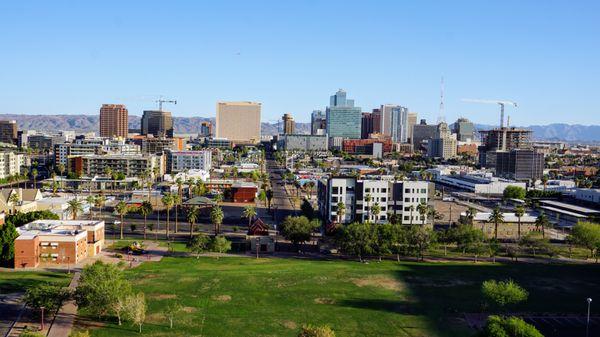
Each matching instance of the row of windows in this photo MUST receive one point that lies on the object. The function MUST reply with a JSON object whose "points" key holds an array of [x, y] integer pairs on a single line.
{"points": [[415, 190]]}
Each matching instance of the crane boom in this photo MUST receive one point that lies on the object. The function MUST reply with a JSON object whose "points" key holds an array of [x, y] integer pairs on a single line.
{"points": [[502, 103], [160, 102]]}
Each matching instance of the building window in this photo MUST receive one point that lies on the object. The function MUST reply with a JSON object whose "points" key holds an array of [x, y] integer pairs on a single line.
{"points": [[406, 199], [407, 190]]}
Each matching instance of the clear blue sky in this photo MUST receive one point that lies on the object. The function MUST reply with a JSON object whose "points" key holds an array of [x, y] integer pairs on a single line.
{"points": [[60, 57]]}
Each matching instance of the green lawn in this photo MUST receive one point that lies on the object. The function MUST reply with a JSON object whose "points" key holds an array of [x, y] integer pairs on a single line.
{"points": [[15, 281], [274, 297]]}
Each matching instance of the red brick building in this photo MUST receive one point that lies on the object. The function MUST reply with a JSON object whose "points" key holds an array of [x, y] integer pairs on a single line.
{"points": [[365, 146], [243, 192], [56, 242]]}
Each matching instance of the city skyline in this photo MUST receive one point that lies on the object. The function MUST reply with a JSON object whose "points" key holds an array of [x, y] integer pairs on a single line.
{"points": [[274, 53]]}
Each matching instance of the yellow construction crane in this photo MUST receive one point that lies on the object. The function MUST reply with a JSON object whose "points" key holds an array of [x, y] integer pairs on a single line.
{"points": [[499, 102]]}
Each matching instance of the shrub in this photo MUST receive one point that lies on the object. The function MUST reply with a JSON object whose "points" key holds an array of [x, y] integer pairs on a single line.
{"points": [[497, 326], [503, 293], [316, 331]]}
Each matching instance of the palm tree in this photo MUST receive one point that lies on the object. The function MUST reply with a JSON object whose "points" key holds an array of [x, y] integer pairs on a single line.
{"points": [[470, 214], [496, 217], [411, 208], [192, 215], [519, 212], [91, 200], [74, 207], [368, 199], [544, 180], [61, 170], [34, 173], [423, 209], [179, 183], [99, 203], [216, 217], [341, 210], [122, 210], [109, 173], [218, 198], [543, 222], [176, 203], [168, 201], [250, 213], [375, 210], [53, 175], [145, 209], [14, 199]]}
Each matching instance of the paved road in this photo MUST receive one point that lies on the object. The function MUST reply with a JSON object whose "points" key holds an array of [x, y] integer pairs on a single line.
{"points": [[10, 310], [63, 321], [282, 202]]}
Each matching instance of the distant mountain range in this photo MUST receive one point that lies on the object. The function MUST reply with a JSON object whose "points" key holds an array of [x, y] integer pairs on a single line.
{"points": [[191, 125]]}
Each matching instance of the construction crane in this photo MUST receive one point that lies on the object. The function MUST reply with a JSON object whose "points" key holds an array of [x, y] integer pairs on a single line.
{"points": [[160, 102], [487, 101]]}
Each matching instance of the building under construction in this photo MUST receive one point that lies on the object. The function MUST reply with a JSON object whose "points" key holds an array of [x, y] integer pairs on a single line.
{"points": [[501, 139]]}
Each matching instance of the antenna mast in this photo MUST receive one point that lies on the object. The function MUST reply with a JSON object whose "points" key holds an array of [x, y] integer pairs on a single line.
{"points": [[441, 117]]}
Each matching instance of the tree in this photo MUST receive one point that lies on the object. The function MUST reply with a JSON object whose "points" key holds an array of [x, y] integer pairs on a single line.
{"points": [[135, 309], [171, 310], [496, 217], [91, 201], [535, 242], [470, 214], [49, 296], [74, 207], [469, 240], [8, 234], [99, 203], [420, 239], [542, 222], [34, 174], [497, 326], [368, 199], [341, 210], [216, 217], [307, 209], [249, 213], [375, 211], [587, 235], [14, 199], [514, 192], [357, 239], [220, 244], [122, 209], [316, 331], [262, 197], [544, 181], [503, 293], [192, 216], [269, 193], [519, 212], [100, 287], [168, 201], [297, 229], [145, 209], [383, 239], [176, 203], [198, 244], [423, 209]]}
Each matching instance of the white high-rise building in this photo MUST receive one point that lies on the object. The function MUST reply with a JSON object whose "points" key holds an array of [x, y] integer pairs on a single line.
{"points": [[394, 122]]}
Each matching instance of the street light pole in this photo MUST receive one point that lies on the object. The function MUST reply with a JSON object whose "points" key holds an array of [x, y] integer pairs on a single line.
{"points": [[587, 325], [42, 325]]}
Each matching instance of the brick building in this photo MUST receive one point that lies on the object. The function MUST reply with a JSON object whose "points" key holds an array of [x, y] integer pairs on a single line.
{"points": [[57, 242]]}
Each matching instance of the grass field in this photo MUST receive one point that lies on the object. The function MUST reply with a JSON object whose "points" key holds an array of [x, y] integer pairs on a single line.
{"points": [[15, 281], [274, 297]]}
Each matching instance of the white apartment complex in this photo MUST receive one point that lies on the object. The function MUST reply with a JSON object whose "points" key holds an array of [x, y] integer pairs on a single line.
{"points": [[10, 164], [179, 161]]}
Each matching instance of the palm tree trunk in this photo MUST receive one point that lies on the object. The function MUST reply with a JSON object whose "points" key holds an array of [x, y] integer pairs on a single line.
{"points": [[519, 229], [176, 220], [121, 227], [167, 227], [145, 226], [191, 229]]}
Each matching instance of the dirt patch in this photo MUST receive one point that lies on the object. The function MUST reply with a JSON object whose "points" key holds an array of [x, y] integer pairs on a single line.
{"points": [[189, 309], [155, 318], [290, 325], [222, 298], [323, 300], [379, 281], [164, 296]]}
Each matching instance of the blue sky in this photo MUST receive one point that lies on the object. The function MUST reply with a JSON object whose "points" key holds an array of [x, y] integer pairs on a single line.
{"points": [[70, 57]]}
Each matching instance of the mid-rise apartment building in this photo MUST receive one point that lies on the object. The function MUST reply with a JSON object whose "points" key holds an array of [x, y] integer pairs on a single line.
{"points": [[10, 164], [130, 165], [114, 121], [179, 161], [400, 198]]}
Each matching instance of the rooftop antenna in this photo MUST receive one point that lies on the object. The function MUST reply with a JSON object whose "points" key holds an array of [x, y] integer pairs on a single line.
{"points": [[441, 117]]}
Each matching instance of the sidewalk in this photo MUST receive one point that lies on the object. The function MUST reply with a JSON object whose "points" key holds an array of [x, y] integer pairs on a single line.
{"points": [[63, 321]]}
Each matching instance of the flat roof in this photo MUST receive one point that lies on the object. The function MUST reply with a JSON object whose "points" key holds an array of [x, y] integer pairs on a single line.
{"points": [[562, 211], [570, 207]]}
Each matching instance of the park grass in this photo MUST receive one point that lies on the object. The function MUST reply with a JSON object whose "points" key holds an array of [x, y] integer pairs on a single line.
{"points": [[18, 281], [239, 296]]}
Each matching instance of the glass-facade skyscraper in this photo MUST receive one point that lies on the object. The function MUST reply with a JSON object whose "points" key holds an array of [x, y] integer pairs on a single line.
{"points": [[343, 118]]}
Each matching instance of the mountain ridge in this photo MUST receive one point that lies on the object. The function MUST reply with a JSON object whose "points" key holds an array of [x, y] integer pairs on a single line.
{"points": [[191, 125]]}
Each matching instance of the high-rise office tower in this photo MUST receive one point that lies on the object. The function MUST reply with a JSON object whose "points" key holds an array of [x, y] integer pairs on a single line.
{"points": [[239, 121], [443, 145], [318, 123], [206, 129], [394, 122], [422, 132], [8, 132], [114, 120], [371, 123], [289, 127], [343, 118], [464, 130], [157, 123], [411, 120]]}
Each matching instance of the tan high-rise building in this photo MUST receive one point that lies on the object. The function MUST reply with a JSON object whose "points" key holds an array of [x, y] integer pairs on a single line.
{"points": [[239, 121], [114, 120], [289, 127], [411, 120]]}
